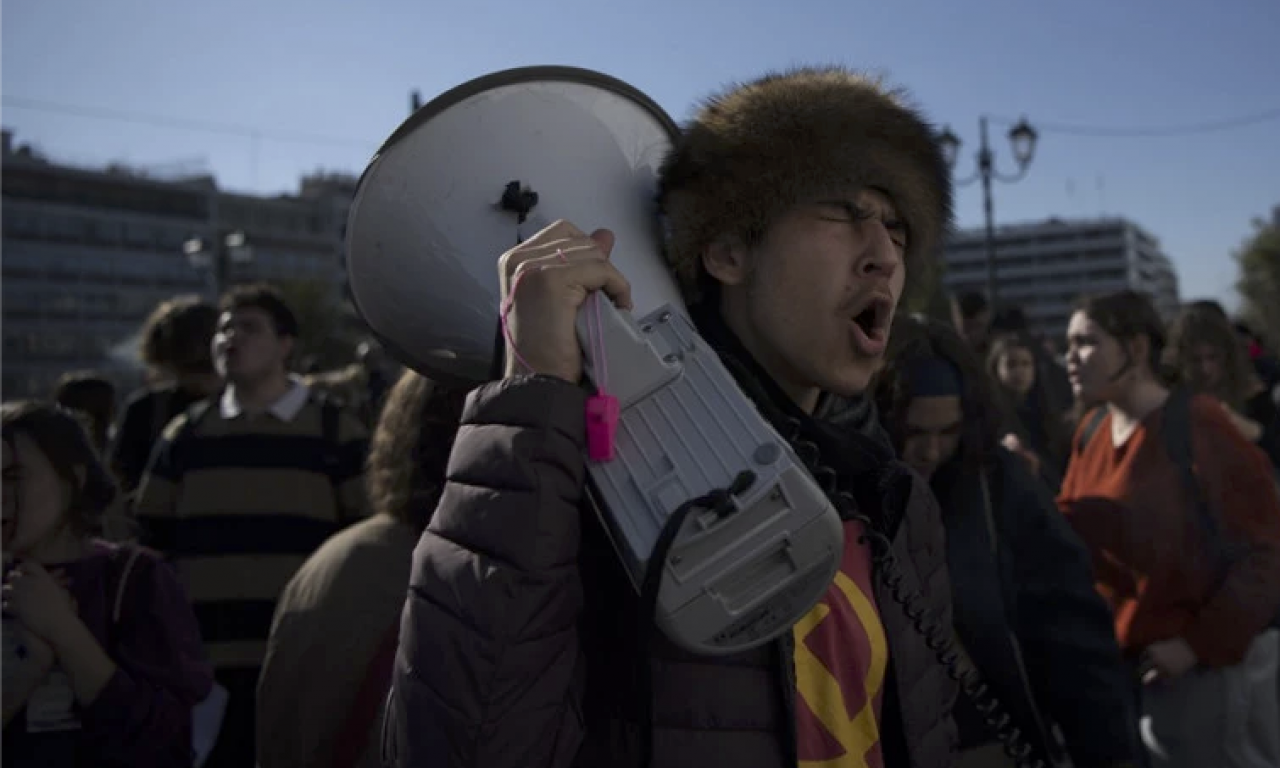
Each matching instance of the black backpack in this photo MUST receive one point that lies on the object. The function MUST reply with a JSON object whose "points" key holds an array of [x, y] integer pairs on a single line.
{"points": [[1177, 446], [1177, 434]]}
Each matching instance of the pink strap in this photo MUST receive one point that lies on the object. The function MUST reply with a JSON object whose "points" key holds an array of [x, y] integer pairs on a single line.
{"points": [[124, 581], [507, 304], [602, 407]]}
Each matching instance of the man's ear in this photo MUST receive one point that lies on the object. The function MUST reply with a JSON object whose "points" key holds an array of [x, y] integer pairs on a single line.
{"points": [[727, 261]]}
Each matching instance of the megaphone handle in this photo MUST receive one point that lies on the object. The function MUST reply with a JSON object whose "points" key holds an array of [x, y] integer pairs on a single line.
{"points": [[616, 354], [620, 360]]}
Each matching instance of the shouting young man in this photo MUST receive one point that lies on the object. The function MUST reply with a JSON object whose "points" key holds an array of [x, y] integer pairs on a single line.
{"points": [[797, 206]]}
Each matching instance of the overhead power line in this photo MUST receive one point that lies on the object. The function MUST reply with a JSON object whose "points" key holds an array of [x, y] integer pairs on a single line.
{"points": [[207, 126], [247, 131], [1189, 129]]}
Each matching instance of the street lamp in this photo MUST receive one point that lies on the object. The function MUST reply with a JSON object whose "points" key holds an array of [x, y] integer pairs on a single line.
{"points": [[1022, 137], [217, 257]]}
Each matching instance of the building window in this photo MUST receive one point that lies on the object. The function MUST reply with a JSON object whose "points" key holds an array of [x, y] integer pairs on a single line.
{"points": [[68, 229], [21, 225], [139, 235], [105, 232]]}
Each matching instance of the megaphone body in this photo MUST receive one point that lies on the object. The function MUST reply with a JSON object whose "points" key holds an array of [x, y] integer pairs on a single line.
{"points": [[489, 163]]}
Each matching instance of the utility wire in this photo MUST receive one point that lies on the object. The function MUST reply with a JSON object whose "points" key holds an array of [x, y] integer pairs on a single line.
{"points": [[39, 105], [245, 131], [1189, 129]]}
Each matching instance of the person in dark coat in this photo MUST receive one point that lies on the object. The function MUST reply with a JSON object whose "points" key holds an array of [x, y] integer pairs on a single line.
{"points": [[177, 348], [1051, 374], [93, 396], [1025, 606], [1039, 422], [1263, 360], [796, 207]]}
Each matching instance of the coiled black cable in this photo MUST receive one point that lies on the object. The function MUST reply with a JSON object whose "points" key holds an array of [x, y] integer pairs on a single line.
{"points": [[937, 638]]}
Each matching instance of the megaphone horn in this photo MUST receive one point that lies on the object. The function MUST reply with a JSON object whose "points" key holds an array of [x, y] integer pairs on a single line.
{"points": [[716, 522]]}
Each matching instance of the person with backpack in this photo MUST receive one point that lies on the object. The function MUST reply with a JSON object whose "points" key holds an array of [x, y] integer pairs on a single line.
{"points": [[242, 489], [176, 348], [1182, 518], [1026, 611], [103, 663]]}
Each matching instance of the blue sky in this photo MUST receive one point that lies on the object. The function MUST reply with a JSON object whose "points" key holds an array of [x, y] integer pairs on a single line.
{"points": [[302, 69]]}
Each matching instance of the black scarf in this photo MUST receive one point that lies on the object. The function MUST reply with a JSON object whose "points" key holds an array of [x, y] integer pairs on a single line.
{"points": [[846, 434]]}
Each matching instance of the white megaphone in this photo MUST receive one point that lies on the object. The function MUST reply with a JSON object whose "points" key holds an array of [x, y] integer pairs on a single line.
{"points": [[496, 159]]}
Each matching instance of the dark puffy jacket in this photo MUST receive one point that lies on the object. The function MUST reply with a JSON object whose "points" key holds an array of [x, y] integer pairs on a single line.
{"points": [[518, 637], [1039, 589]]}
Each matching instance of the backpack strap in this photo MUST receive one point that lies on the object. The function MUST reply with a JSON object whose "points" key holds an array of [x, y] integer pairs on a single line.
{"points": [[193, 417], [1178, 446], [330, 430], [330, 421], [1093, 420], [353, 738], [990, 504], [161, 402], [122, 582], [991, 483], [195, 414], [119, 566]]}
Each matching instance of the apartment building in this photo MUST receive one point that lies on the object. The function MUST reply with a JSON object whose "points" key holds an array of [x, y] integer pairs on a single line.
{"points": [[1045, 267], [89, 252]]}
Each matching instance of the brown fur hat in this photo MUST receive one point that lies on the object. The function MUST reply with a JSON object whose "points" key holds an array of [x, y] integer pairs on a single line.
{"points": [[755, 150]]}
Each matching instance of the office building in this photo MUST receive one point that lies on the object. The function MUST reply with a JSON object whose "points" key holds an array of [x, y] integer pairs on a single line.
{"points": [[88, 253], [1045, 267]]}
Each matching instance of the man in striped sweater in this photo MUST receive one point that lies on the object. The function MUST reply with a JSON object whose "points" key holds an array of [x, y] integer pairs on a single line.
{"points": [[243, 488]]}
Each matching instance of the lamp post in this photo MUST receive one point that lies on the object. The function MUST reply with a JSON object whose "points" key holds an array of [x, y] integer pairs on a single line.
{"points": [[1023, 139], [216, 257]]}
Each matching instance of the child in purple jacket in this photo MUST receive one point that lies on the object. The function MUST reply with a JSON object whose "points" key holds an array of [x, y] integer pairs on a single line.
{"points": [[103, 661]]}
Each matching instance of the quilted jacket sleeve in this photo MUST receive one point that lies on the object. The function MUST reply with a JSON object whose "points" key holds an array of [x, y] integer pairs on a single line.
{"points": [[489, 669]]}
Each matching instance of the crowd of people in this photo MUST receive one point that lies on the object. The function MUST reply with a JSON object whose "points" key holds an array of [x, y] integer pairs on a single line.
{"points": [[232, 536], [244, 566]]}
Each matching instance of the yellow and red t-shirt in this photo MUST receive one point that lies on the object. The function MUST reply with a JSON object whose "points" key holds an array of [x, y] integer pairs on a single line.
{"points": [[841, 658]]}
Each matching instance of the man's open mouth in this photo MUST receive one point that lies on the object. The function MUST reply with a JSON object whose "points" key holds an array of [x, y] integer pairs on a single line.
{"points": [[873, 317]]}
